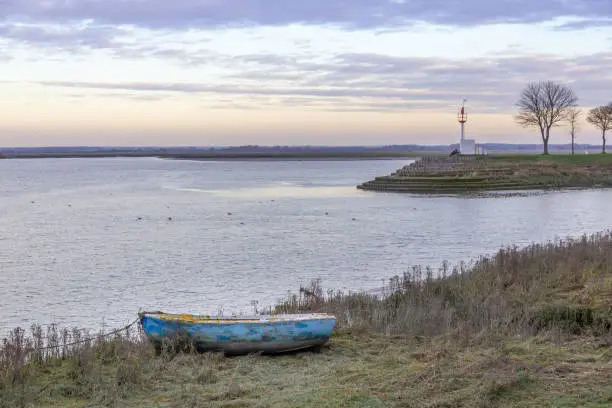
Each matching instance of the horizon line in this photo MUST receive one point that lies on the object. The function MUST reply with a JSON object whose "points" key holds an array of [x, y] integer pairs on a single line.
{"points": [[285, 146]]}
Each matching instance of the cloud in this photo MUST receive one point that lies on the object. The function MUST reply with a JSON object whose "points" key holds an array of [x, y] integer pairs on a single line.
{"points": [[76, 37], [583, 24], [117, 41], [203, 14], [383, 83], [149, 97], [79, 39]]}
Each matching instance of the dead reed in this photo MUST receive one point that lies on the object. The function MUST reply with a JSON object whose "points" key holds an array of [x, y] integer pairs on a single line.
{"points": [[565, 283], [101, 367]]}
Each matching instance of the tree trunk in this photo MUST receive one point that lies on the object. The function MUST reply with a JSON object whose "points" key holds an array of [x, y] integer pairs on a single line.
{"points": [[545, 139], [603, 139], [573, 143]]}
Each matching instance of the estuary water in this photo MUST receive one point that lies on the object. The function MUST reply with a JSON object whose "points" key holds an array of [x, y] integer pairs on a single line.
{"points": [[90, 242]]}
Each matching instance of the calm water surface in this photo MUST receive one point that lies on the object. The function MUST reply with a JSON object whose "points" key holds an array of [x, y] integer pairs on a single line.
{"points": [[87, 242]]}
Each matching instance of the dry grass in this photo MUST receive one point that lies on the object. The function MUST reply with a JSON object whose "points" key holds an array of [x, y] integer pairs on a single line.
{"points": [[524, 328], [517, 291]]}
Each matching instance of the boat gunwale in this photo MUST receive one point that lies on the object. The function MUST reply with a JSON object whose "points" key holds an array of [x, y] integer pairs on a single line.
{"points": [[203, 319]]}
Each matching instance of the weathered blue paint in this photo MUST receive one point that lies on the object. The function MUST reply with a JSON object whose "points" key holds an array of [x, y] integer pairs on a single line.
{"points": [[241, 334]]}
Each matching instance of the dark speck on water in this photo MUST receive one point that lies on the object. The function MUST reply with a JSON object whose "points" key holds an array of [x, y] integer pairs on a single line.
{"points": [[91, 266]]}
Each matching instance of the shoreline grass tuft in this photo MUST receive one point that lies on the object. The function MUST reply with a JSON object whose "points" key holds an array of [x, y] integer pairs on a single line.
{"points": [[525, 327]]}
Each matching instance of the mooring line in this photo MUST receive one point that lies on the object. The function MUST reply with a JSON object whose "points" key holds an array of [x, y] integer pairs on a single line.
{"points": [[74, 343]]}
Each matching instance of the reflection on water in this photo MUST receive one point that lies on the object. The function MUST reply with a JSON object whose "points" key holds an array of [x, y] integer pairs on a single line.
{"points": [[282, 190], [86, 241]]}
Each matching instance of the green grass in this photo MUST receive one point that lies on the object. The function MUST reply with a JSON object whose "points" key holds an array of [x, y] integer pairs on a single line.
{"points": [[556, 158], [354, 370]]}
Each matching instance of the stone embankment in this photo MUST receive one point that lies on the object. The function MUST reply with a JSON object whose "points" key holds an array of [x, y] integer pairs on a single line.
{"points": [[456, 174]]}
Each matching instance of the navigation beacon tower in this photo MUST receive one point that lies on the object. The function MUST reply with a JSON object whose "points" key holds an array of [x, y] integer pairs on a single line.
{"points": [[466, 146]]}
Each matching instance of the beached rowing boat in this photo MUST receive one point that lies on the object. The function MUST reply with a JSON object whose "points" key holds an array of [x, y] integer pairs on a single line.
{"points": [[240, 334]]}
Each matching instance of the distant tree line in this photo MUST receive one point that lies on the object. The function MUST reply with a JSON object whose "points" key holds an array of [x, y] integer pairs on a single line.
{"points": [[548, 104]]}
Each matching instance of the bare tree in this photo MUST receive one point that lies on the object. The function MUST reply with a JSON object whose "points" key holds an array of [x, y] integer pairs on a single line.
{"points": [[545, 104], [572, 118], [601, 118]]}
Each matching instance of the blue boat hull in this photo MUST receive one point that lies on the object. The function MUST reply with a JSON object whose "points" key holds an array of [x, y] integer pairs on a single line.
{"points": [[266, 334]]}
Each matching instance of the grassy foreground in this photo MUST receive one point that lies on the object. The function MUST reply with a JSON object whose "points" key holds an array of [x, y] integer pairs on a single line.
{"points": [[524, 328], [497, 173]]}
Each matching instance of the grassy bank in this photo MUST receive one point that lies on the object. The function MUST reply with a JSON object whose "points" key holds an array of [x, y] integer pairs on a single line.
{"points": [[497, 173], [523, 328]]}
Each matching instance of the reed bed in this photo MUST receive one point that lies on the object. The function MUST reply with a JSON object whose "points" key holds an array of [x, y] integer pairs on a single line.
{"points": [[84, 357], [564, 283], [468, 335]]}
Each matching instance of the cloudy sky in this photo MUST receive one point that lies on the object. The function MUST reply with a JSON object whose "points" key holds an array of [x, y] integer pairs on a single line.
{"points": [[219, 72]]}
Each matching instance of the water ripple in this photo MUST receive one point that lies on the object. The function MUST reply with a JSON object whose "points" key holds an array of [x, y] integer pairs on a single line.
{"points": [[89, 240]]}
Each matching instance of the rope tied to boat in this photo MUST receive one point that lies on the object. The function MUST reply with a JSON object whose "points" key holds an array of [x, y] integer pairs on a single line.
{"points": [[89, 339]]}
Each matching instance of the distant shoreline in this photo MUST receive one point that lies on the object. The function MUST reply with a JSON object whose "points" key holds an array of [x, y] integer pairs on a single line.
{"points": [[207, 156], [257, 152]]}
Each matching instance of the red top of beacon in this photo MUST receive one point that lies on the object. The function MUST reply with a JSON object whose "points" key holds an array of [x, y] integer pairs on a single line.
{"points": [[462, 116]]}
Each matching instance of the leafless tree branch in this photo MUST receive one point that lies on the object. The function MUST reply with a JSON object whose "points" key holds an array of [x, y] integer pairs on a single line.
{"points": [[601, 118], [573, 117], [544, 105]]}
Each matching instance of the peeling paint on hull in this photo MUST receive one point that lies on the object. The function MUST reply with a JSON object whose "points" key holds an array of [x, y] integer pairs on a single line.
{"points": [[241, 335]]}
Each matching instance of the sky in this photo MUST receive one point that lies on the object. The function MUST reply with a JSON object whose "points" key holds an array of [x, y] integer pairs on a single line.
{"points": [[289, 72]]}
